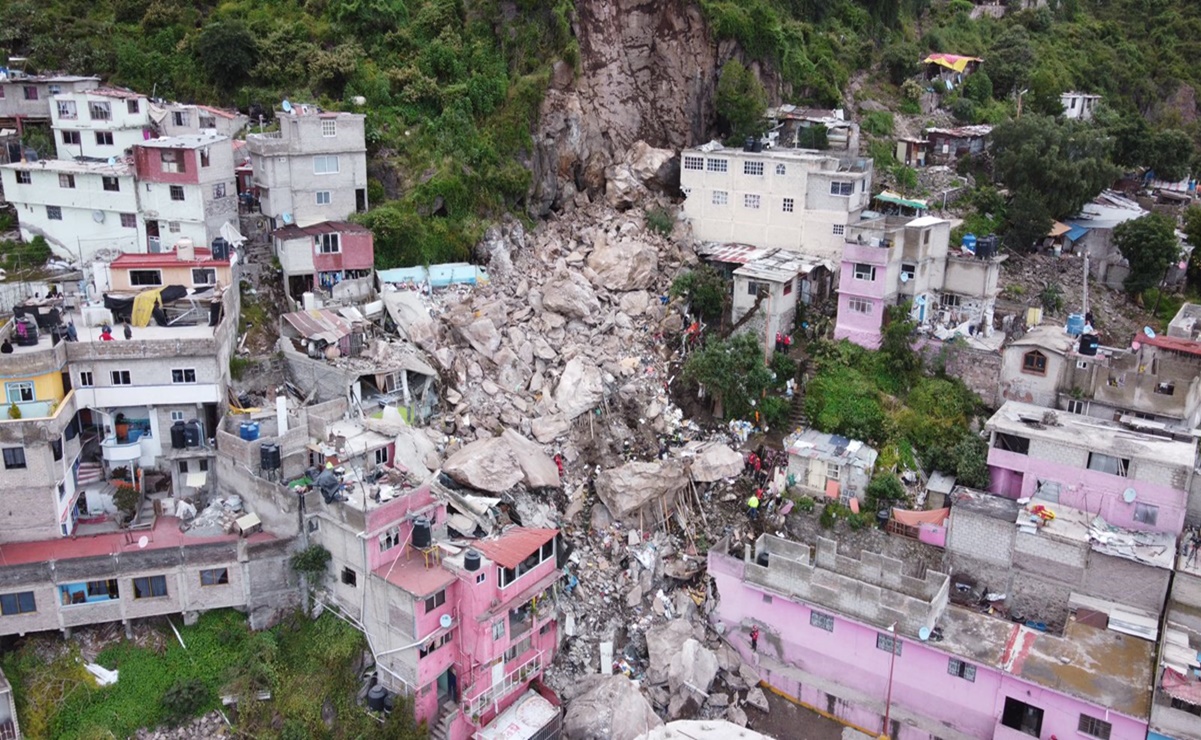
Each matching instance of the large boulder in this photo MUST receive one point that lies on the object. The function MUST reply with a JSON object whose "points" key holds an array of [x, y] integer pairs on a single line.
{"points": [[609, 708], [547, 429], [663, 643], [693, 667], [624, 265], [487, 464], [482, 335], [644, 168], [571, 296], [714, 461], [627, 488], [581, 387], [538, 468]]}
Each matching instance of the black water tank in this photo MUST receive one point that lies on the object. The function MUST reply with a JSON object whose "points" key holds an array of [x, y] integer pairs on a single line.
{"points": [[1089, 344], [763, 558], [220, 249], [269, 456], [422, 537], [191, 433], [178, 436], [749, 144], [471, 561], [376, 698]]}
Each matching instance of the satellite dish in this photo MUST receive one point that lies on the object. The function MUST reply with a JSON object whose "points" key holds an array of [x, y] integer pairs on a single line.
{"points": [[286, 106], [112, 160], [143, 541], [287, 218], [924, 634], [1129, 495], [1149, 332], [445, 621], [98, 216], [904, 277]]}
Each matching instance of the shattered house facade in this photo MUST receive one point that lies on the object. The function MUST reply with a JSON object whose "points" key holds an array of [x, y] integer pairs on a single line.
{"points": [[866, 637], [891, 261], [794, 199]]}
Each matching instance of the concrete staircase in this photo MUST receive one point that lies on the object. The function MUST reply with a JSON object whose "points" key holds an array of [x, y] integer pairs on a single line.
{"points": [[89, 472], [441, 731]]}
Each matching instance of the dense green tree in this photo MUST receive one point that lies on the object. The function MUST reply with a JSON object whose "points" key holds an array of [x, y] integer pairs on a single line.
{"points": [[896, 344], [978, 87], [1027, 220], [226, 50], [732, 372], [741, 101], [1149, 245], [1192, 233], [1010, 60], [884, 490], [705, 289], [1063, 163], [901, 61], [1169, 153]]}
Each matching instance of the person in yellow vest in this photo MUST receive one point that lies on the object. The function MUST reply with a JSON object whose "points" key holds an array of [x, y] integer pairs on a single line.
{"points": [[752, 506]]}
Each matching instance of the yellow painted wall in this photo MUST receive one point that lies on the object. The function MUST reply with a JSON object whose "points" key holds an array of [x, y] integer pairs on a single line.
{"points": [[181, 275], [45, 387]]}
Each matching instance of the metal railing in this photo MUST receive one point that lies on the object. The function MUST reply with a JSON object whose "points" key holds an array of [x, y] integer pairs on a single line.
{"points": [[497, 691]]}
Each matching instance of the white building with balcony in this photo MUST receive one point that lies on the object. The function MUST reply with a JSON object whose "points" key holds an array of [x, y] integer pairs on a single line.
{"points": [[313, 169], [793, 199], [78, 207], [99, 124]]}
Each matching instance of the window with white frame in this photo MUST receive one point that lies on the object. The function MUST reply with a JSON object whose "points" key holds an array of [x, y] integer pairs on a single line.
{"points": [[85, 379], [720, 197], [839, 230], [104, 138], [1094, 727], [323, 197], [859, 305], [822, 621], [381, 456], [752, 168], [100, 110], [1075, 407], [694, 163], [833, 472], [789, 205], [865, 272], [180, 117], [183, 375], [20, 391], [948, 300], [54, 213], [325, 164], [66, 181], [498, 630], [120, 377], [781, 169], [204, 276], [173, 227], [957, 667], [132, 106], [328, 243], [750, 200], [177, 416], [67, 110], [842, 188], [329, 127], [717, 164]]}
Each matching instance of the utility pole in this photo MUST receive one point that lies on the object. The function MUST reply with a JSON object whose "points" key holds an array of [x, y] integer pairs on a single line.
{"points": [[1020, 94], [892, 661]]}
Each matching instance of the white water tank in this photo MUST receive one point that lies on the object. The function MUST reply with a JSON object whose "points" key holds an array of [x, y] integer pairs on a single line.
{"points": [[185, 250], [308, 300]]}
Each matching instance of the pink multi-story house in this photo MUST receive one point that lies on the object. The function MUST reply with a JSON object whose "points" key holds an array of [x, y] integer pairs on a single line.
{"points": [[320, 256], [1132, 479], [463, 625], [865, 640]]}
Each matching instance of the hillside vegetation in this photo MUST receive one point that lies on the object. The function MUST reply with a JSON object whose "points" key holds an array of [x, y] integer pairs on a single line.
{"points": [[452, 87]]}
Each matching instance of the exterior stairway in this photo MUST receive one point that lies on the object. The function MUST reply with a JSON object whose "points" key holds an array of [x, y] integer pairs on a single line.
{"points": [[89, 472], [441, 731]]}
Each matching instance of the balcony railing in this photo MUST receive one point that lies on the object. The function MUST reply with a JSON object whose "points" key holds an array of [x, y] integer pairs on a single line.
{"points": [[497, 691]]}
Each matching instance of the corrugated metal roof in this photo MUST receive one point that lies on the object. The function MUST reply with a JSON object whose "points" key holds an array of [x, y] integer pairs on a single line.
{"points": [[735, 254], [325, 227], [516, 545], [1172, 344], [319, 323]]}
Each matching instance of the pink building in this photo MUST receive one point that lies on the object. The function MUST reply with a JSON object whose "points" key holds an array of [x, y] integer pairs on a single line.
{"points": [[1132, 479], [463, 625], [320, 256], [862, 639]]}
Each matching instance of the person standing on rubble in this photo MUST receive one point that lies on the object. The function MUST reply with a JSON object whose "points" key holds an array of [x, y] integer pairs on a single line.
{"points": [[752, 506], [755, 638]]}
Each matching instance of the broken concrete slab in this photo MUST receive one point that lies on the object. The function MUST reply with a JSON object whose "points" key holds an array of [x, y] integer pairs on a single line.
{"points": [[608, 708], [757, 699], [627, 488]]}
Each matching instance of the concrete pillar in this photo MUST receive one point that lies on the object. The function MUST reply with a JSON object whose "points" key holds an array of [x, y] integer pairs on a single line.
{"points": [[128, 629]]}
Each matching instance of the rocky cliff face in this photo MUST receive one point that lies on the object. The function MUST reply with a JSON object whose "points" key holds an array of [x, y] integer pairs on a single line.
{"points": [[648, 71]]}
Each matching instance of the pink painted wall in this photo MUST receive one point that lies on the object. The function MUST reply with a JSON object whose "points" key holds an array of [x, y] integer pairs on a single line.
{"points": [[358, 253], [148, 165], [396, 513], [809, 663], [1087, 490], [861, 328], [932, 534]]}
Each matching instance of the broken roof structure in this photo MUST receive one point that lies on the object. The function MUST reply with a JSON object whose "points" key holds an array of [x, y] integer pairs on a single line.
{"points": [[953, 62]]}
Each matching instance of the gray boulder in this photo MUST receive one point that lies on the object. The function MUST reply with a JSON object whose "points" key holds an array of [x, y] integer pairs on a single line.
{"points": [[538, 468], [627, 488], [714, 461], [609, 708], [580, 388], [488, 465], [624, 265], [571, 296]]}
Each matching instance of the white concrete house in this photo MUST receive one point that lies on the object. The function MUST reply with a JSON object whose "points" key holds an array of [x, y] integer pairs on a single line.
{"points": [[28, 96], [1079, 105], [98, 124], [180, 119], [78, 207], [313, 169], [793, 199]]}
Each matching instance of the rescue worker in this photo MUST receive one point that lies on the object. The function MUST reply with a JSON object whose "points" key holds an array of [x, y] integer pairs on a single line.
{"points": [[752, 506]]}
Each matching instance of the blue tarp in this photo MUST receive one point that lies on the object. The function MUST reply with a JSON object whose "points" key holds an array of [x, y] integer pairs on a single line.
{"points": [[438, 276], [1075, 233]]}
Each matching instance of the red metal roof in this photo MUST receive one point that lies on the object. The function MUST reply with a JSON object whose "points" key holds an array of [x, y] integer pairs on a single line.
{"points": [[325, 227], [516, 545], [1172, 344], [203, 257], [736, 254]]}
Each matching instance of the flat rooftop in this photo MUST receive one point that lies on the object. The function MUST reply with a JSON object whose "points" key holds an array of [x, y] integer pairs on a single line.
{"points": [[185, 141], [1025, 420], [783, 155], [91, 334], [163, 535], [75, 166], [410, 573], [986, 504], [1107, 668], [1157, 549]]}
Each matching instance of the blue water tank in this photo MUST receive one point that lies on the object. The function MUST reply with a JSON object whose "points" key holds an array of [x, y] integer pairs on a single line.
{"points": [[969, 242], [249, 430], [1075, 324]]}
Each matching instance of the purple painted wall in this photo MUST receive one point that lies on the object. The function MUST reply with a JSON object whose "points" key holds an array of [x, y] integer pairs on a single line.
{"points": [[844, 672], [1015, 476]]}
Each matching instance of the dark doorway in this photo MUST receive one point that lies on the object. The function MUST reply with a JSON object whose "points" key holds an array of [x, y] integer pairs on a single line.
{"points": [[1022, 717], [360, 200]]}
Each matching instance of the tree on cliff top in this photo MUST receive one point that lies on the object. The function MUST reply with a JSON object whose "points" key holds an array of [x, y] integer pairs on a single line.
{"points": [[741, 101], [1149, 244]]}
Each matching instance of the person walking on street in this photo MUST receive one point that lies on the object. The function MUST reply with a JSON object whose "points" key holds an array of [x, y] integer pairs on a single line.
{"points": [[755, 639], [752, 506]]}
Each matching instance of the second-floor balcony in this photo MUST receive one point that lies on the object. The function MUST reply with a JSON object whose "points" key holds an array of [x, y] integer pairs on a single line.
{"points": [[116, 451]]}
